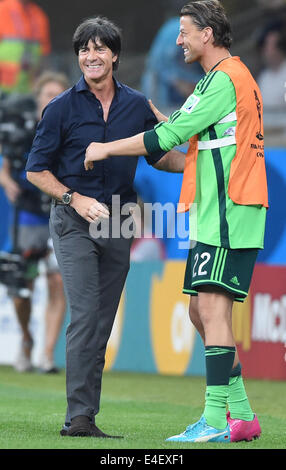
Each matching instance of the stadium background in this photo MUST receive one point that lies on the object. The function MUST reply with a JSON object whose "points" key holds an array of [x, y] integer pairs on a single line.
{"points": [[152, 332]]}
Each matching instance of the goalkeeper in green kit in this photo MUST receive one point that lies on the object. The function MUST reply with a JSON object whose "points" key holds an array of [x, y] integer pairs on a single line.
{"points": [[225, 177]]}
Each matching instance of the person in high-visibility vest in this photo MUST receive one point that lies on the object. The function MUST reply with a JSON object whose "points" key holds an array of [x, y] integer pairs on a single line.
{"points": [[24, 41], [225, 176]]}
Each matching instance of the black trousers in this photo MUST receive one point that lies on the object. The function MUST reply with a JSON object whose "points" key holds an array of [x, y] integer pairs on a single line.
{"points": [[94, 271]]}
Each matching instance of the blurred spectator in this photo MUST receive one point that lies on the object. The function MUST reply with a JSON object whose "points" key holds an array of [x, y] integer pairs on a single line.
{"points": [[167, 80], [272, 79], [33, 236], [24, 41], [145, 247], [273, 4]]}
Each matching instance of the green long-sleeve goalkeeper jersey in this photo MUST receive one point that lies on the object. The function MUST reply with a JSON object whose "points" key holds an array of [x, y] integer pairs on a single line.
{"points": [[214, 218]]}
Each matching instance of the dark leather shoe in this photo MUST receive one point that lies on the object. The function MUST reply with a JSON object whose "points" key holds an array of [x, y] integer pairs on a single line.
{"points": [[82, 426]]}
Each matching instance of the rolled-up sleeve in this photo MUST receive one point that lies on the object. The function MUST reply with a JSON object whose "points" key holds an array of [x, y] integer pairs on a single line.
{"points": [[47, 141]]}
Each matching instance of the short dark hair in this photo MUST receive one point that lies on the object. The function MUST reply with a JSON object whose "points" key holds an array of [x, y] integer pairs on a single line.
{"points": [[100, 28], [210, 13]]}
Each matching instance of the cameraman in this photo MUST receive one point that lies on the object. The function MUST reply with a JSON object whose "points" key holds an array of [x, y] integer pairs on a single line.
{"points": [[33, 237]]}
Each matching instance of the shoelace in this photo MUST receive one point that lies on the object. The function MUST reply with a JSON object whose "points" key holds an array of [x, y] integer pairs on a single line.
{"points": [[192, 427]]}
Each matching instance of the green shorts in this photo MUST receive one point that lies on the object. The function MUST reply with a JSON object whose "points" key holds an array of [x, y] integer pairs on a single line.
{"points": [[229, 269]]}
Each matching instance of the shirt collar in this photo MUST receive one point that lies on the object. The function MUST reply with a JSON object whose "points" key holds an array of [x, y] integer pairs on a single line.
{"points": [[83, 86]]}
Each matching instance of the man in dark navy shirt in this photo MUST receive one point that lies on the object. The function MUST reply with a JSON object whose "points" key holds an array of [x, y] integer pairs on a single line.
{"points": [[98, 108]]}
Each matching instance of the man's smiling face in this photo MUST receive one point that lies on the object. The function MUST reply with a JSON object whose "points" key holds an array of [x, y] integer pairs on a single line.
{"points": [[96, 61], [190, 38]]}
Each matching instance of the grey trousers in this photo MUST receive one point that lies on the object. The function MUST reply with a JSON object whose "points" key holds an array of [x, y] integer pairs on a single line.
{"points": [[94, 272]]}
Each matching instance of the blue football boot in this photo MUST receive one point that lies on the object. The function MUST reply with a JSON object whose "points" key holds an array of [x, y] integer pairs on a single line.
{"points": [[202, 432]]}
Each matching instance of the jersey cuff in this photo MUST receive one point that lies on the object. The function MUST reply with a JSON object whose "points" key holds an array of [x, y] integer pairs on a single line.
{"points": [[151, 142]]}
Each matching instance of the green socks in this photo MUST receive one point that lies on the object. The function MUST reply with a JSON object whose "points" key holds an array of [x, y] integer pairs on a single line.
{"points": [[219, 362], [224, 387], [238, 403], [215, 405]]}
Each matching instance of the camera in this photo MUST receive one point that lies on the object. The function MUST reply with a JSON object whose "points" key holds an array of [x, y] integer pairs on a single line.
{"points": [[12, 274], [17, 127], [13, 270]]}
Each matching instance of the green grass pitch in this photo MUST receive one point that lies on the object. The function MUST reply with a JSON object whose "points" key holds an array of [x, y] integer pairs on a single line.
{"points": [[144, 408]]}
